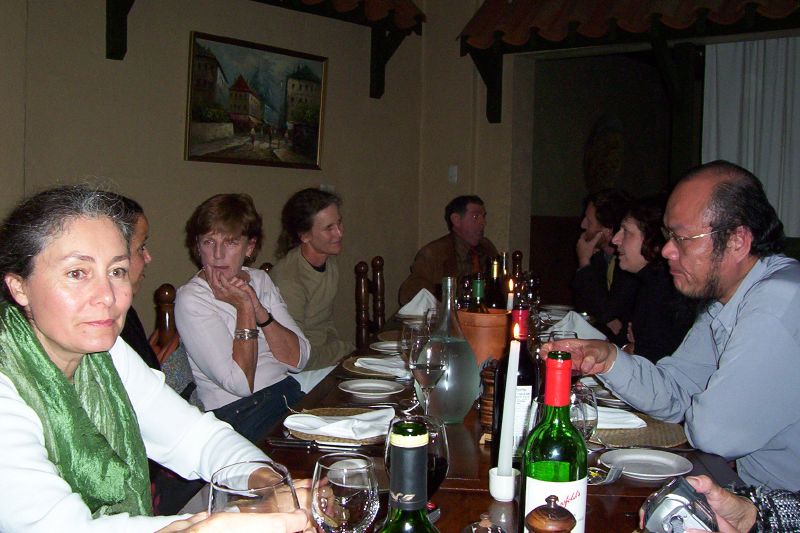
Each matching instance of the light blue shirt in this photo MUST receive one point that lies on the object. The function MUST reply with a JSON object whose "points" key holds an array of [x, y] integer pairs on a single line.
{"points": [[735, 379]]}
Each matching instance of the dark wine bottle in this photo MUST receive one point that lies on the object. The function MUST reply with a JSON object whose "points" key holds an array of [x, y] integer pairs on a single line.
{"points": [[554, 460], [408, 492], [495, 294], [527, 387]]}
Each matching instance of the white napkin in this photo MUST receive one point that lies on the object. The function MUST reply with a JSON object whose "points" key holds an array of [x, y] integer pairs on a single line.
{"points": [[419, 304], [387, 365], [356, 427], [573, 321], [611, 418]]}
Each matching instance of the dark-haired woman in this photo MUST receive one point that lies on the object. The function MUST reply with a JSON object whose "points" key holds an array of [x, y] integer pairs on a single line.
{"points": [[661, 316], [80, 411], [241, 340], [308, 276]]}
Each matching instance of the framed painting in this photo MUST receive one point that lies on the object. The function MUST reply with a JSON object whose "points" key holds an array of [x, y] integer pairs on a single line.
{"points": [[254, 104]]}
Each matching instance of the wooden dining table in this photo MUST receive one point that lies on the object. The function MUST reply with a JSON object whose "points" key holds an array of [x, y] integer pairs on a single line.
{"points": [[464, 494]]}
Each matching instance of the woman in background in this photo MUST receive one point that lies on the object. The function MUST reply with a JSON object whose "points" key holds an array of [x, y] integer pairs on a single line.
{"points": [[661, 316], [308, 276], [242, 342]]}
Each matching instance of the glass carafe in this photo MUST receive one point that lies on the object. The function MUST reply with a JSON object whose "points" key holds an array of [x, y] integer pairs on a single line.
{"points": [[454, 395]]}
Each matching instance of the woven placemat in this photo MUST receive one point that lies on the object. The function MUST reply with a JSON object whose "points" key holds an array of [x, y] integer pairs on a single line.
{"points": [[336, 411], [349, 364], [388, 336], [657, 433]]}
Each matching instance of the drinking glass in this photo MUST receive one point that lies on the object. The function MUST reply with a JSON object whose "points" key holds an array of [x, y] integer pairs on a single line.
{"points": [[431, 318], [559, 335], [583, 410], [411, 329], [438, 452], [252, 487], [344, 493], [428, 365]]}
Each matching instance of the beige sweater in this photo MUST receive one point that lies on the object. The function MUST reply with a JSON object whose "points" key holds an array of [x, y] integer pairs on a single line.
{"points": [[309, 296]]}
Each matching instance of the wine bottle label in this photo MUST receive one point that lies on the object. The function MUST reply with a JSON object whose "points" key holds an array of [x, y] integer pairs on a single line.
{"points": [[522, 416], [571, 495]]}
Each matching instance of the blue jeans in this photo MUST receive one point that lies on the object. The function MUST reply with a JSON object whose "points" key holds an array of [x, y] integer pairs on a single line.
{"points": [[253, 416]]}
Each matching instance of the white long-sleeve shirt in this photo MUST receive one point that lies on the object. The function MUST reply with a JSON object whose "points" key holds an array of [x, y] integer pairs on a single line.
{"points": [[34, 498], [206, 326]]}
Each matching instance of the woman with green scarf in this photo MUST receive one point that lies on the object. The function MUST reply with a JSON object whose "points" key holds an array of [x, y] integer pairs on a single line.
{"points": [[80, 411]]}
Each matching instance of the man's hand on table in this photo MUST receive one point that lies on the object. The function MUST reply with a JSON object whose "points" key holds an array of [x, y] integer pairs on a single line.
{"points": [[588, 356], [243, 523]]}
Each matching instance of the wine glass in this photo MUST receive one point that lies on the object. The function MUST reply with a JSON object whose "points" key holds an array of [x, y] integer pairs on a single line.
{"points": [[559, 335], [428, 365], [411, 329], [252, 487], [431, 318], [583, 410], [438, 451], [344, 493]]}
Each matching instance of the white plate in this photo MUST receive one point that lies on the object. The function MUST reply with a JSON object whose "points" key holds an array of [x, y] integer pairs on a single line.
{"points": [[647, 465], [385, 347], [370, 388]]}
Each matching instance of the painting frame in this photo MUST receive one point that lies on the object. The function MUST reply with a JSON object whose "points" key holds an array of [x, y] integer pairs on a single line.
{"points": [[254, 104]]}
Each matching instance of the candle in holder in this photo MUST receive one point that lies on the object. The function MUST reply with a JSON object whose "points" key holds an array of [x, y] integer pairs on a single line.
{"points": [[506, 447]]}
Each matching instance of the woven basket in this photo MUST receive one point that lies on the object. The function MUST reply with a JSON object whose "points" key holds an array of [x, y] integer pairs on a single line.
{"points": [[657, 433], [336, 411]]}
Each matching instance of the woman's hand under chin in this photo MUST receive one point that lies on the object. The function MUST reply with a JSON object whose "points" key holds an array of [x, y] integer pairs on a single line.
{"points": [[231, 291]]}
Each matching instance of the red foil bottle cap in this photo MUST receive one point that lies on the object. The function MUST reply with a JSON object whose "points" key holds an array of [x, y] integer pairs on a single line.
{"points": [[558, 379], [519, 321]]}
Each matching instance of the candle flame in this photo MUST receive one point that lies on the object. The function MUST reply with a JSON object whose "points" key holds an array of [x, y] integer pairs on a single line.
{"points": [[516, 331], [511, 285]]}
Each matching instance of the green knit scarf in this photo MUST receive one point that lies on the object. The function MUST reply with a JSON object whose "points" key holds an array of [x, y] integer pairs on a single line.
{"points": [[90, 429]]}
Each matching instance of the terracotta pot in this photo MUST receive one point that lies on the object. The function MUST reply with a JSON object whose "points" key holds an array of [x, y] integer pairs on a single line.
{"points": [[487, 333]]}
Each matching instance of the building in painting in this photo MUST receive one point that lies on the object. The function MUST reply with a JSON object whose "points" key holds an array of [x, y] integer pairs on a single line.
{"points": [[209, 83], [303, 91], [244, 106]]}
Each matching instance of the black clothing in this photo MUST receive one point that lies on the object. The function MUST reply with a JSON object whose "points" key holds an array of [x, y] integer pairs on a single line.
{"points": [[661, 315], [592, 295], [133, 333]]}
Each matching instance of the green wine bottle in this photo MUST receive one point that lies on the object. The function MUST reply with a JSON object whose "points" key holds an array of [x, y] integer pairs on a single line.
{"points": [[554, 459], [408, 492]]}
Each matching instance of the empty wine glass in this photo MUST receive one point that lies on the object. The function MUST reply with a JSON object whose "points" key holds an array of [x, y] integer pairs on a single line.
{"points": [[344, 493], [428, 365], [583, 410], [252, 487], [438, 451], [410, 330]]}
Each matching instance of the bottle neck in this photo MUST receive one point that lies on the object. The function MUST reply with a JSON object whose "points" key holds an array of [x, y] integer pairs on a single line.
{"points": [[519, 324], [448, 319], [557, 383]]}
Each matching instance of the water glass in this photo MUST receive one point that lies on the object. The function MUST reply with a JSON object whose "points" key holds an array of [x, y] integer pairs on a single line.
{"points": [[344, 493], [252, 487], [583, 410], [431, 318], [411, 330]]}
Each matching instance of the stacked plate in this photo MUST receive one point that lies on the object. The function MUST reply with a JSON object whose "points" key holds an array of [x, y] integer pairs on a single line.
{"points": [[385, 347], [370, 388]]}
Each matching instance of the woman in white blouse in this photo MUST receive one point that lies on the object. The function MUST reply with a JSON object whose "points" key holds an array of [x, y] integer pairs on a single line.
{"points": [[242, 342]]}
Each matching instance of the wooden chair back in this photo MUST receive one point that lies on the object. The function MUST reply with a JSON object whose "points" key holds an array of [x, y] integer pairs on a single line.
{"points": [[266, 267], [164, 338], [366, 286]]}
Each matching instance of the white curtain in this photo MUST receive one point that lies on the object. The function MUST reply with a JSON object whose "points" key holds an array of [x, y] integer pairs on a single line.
{"points": [[751, 116]]}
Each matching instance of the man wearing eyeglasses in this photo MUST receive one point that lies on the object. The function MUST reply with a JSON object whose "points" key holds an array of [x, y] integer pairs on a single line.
{"points": [[734, 380], [463, 251]]}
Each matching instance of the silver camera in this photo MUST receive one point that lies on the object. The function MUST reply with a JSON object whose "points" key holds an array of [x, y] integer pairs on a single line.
{"points": [[676, 507]]}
